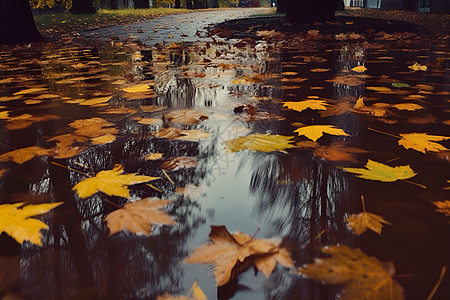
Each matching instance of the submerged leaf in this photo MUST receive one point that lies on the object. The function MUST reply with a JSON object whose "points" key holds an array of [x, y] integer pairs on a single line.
{"points": [[16, 221], [137, 88], [337, 152], [378, 171], [443, 207], [407, 106], [422, 142], [314, 132], [111, 182], [25, 154], [138, 217], [260, 142], [365, 277]]}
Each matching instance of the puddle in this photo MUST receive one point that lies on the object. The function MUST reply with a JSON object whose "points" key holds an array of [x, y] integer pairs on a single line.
{"points": [[185, 101]]}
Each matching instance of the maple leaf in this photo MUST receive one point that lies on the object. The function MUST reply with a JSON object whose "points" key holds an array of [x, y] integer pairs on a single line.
{"points": [[260, 142], [422, 142], [418, 67], [138, 217], [302, 105], [16, 221], [25, 154], [359, 223], [173, 133], [137, 88], [314, 132], [93, 127], [359, 69], [111, 182], [407, 106], [380, 89], [228, 251], [443, 207], [377, 109], [186, 117], [154, 156], [365, 277], [378, 171]]}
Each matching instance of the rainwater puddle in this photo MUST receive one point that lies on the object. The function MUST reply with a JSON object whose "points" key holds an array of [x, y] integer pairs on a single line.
{"points": [[169, 112]]}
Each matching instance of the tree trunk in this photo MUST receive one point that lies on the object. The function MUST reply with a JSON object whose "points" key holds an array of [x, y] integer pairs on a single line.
{"points": [[17, 23], [83, 7], [143, 4], [215, 3], [197, 4], [177, 4], [189, 4], [307, 11]]}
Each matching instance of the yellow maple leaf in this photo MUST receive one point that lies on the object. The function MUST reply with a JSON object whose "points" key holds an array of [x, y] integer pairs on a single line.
{"points": [[422, 142], [359, 69], [359, 223], [103, 139], [16, 221], [138, 217], [24, 154], [418, 67], [137, 88], [260, 142], [378, 171], [365, 277], [111, 182], [314, 132], [407, 106], [302, 105]]}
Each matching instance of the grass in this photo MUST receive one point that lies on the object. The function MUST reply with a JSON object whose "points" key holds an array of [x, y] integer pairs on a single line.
{"points": [[66, 22]]}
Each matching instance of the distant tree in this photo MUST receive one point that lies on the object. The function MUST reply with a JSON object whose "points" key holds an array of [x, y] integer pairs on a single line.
{"points": [[215, 3], [17, 23], [83, 7], [141, 4]]}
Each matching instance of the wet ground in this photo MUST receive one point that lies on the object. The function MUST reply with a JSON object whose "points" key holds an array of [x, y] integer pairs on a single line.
{"points": [[185, 101]]}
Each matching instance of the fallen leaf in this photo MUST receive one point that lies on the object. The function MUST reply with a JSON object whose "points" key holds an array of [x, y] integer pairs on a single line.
{"points": [[25, 120], [359, 223], [443, 207], [359, 69], [314, 132], [418, 67], [149, 121], [96, 102], [24, 154], [320, 70], [377, 109], [378, 171], [407, 106], [16, 221], [172, 133], [137, 88], [347, 80], [422, 142], [365, 277], [195, 293], [229, 251], [65, 147], [139, 216], [400, 85], [182, 162], [380, 89], [186, 116], [302, 105], [93, 127], [260, 142], [30, 91], [153, 156], [111, 182], [103, 139]]}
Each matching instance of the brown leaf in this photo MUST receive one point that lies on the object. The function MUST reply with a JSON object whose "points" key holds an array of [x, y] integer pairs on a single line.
{"points": [[186, 117], [25, 120], [229, 251], [138, 217], [172, 133], [337, 152], [183, 162], [359, 223], [25, 154], [93, 127]]}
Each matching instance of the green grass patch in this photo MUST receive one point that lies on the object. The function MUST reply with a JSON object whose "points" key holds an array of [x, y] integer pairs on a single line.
{"points": [[67, 22]]}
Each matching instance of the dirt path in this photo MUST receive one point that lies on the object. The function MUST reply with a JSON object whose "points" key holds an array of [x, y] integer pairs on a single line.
{"points": [[179, 28]]}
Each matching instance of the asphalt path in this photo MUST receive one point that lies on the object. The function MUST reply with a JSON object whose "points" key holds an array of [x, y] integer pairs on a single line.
{"points": [[187, 27]]}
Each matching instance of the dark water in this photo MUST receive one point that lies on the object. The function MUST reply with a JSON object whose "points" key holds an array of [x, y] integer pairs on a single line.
{"points": [[296, 195]]}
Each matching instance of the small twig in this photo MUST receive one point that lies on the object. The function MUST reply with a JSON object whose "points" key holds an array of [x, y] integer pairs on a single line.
{"points": [[436, 286], [320, 234], [70, 169], [414, 183], [393, 159], [363, 204], [167, 175], [386, 133], [256, 232], [3, 144], [154, 187]]}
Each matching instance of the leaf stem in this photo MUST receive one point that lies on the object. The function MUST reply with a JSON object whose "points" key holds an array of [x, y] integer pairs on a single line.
{"points": [[70, 169], [415, 183], [153, 187], [386, 133], [363, 204], [256, 232], [112, 203], [167, 175], [436, 286]]}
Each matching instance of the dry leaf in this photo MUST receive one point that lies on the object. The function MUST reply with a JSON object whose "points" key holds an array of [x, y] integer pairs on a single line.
{"points": [[314, 132], [359, 223], [16, 221], [151, 108], [137, 88], [173, 133], [302, 105], [186, 117], [25, 120], [96, 102], [378, 171], [25, 154], [183, 162], [154, 156], [337, 152], [417, 67], [443, 207], [407, 106], [111, 182], [103, 139], [65, 147], [93, 127], [380, 89], [30, 91], [229, 251], [347, 80], [260, 142], [138, 217], [365, 277], [422, 142], [359, 69]]}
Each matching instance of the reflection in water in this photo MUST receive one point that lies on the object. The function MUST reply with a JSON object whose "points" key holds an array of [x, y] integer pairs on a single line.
{"points": [[293, 195]]}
